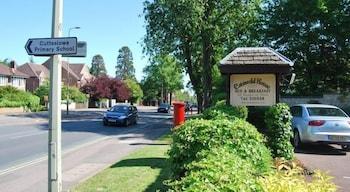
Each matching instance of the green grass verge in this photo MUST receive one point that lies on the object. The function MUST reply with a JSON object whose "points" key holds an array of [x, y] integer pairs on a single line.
{"points": [[143, 170]]}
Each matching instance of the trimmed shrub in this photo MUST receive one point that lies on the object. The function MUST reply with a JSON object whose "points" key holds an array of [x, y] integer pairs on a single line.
{"points": [[218, 169], [12, 97], [256, 116], [238, 136], [223, 111], [279, 131]]}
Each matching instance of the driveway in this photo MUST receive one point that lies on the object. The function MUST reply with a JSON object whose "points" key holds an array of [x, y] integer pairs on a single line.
{"points": [[328, 158]]}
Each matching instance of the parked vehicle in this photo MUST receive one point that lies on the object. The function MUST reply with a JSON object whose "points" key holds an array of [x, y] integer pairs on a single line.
{"points": [[164, 108], [121, 114], [317, 123]]}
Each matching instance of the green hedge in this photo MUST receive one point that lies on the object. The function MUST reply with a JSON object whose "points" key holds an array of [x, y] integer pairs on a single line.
{"points": [[222, 111], [12, 97], [196, 135], [279, 131], [218, 169]]}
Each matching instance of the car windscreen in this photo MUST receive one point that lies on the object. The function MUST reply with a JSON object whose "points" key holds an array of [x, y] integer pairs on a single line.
{"points": [[120, 109], [164, 105], [323, 111]]}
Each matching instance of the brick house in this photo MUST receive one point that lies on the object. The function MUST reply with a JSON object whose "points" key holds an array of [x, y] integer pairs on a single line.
{"points": [[10, 76], [79, 73], [38, 74]]}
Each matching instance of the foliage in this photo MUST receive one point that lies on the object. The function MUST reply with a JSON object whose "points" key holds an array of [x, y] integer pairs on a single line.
{"points": [[163, 76], [279, 131], [125, 66], [135, 89], [98, 67], [12, 97], [293, 181], [256, 116], [5, 62], [73, 93], [199, 34], [108, 88], [238, 136], [223, 111], [183, 95], [315, 34], [218, 169]]}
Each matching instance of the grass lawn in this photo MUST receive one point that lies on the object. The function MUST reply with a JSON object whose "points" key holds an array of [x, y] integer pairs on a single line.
{"points": [[143, 170]]}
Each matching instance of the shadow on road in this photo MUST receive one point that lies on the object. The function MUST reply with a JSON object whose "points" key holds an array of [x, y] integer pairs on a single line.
{"points": [[320, 149]]}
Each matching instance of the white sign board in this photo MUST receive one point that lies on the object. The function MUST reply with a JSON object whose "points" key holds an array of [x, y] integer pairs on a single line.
{"points": [[51, 46], [81, 50], [252, 89]]}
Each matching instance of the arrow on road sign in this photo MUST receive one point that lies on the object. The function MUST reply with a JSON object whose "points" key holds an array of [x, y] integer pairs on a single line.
{"points": [[51, 46]]}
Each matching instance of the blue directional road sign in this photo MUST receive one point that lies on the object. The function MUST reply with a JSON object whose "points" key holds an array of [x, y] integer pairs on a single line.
{"points": [[51, 46]]}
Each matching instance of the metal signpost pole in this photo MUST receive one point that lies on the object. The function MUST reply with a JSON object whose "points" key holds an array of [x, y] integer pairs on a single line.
{"points": [[68, 69], [54, 156]]}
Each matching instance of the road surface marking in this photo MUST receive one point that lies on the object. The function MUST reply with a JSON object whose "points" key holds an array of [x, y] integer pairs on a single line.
{"points": [[27, 135], [345, 177], [64, 152]]}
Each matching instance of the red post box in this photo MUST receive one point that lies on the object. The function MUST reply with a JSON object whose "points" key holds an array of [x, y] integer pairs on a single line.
{"points": [[179, 114]]}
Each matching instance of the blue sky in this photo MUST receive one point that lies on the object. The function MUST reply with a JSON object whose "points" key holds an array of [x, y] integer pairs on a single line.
{"points": [[106, 26]]}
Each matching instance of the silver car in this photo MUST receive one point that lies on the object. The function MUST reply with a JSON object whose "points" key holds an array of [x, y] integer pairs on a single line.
{"points": [[316, 123]]}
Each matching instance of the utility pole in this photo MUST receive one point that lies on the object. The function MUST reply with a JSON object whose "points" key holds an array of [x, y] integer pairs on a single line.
{"points": [[54, 156]]}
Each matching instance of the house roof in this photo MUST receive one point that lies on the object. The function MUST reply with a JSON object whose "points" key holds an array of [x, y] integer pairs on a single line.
{"points": [[34, 70], [65, 67], [77, 68], [255, 59], [7, 71]]}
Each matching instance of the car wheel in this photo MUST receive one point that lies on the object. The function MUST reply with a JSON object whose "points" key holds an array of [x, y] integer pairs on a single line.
{"points": [[296, 139], [345, 147]]}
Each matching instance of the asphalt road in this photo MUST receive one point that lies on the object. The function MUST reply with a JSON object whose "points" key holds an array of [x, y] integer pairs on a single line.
{"points": [[329, 158], [24, 141]]}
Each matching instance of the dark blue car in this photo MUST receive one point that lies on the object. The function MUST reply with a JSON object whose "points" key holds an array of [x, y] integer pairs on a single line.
{"points": [[121, 115], [164, 108]]}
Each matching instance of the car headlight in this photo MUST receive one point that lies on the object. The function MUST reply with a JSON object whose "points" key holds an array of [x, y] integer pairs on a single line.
{"points": [[122, 117]]}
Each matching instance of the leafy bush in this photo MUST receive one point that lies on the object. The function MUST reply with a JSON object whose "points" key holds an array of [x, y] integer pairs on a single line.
{"points": [[12, 97], [256, 116], [223, 111], [294, 181], [279, 131], [238, 136], [218, 169], [72, 93]]}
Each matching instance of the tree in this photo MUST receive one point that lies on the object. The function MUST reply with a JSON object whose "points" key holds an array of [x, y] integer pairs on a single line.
{"points": [[125, 67], [135, 89], [5, 62], [198, 34], [315, 34], [98, 66], [106, 88], [163, 76]]}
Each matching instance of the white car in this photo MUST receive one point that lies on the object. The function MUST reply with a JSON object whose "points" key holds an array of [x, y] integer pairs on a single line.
{"points": [[317, 123]]}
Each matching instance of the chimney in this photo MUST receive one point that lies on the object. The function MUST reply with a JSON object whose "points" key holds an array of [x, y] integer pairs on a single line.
{"points": [[13, 66]]}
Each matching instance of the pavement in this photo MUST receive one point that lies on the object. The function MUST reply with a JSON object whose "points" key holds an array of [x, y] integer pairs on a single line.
{"points": [[87, 146], [329, 158]]}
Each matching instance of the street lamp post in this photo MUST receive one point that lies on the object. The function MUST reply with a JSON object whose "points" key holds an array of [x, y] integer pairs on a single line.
{"points": [[68, 70]]}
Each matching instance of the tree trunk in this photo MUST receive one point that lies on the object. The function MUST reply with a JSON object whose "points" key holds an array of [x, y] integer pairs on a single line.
{"points": [[207, 72], [170, 97]]}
